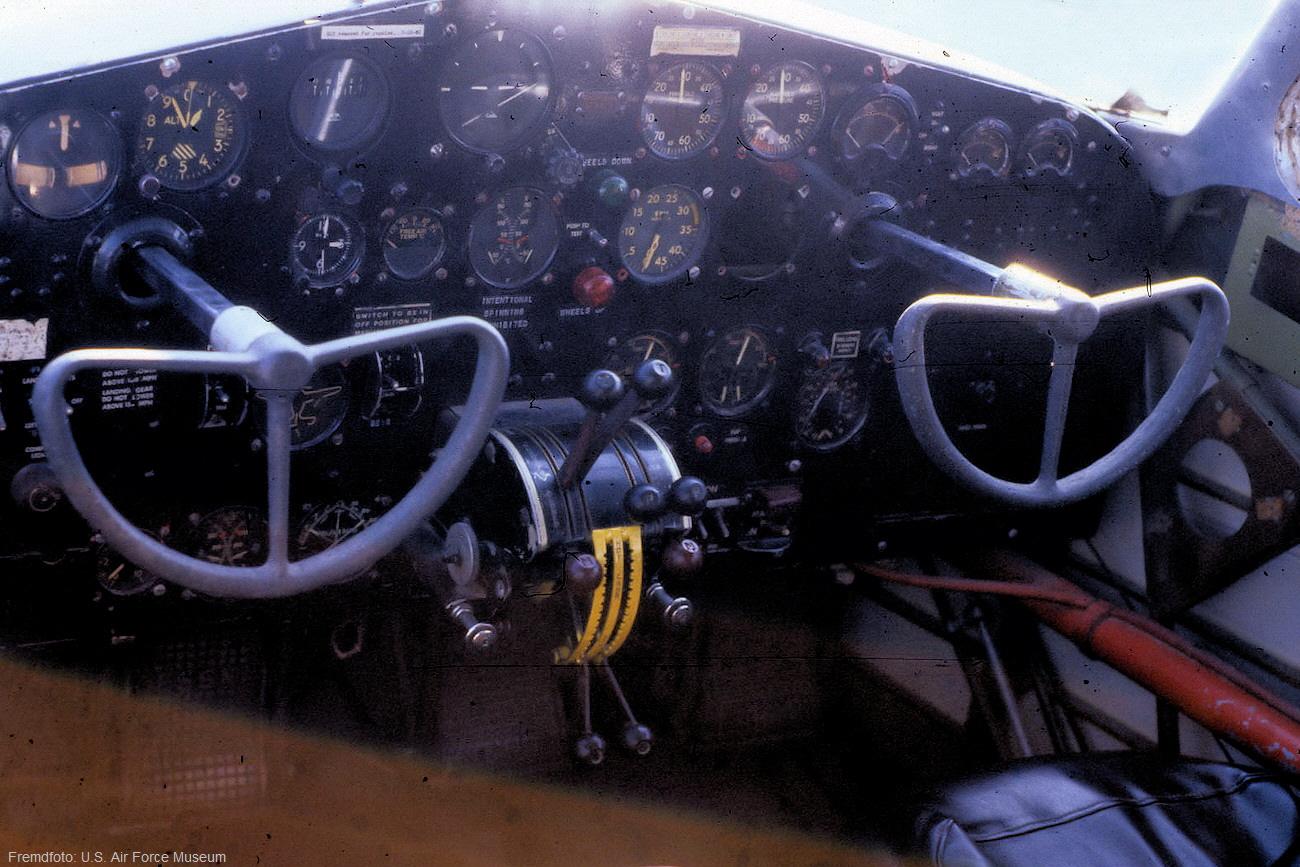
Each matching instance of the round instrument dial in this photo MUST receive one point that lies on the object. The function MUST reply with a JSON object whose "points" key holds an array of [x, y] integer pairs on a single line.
{"points": [[414, 243], [1049, 148], [319, 407], [330, 525], [496, 90], [338, 103], [232, 536], [984, 151], [737, 371], [682, 110], [782, 110], [65, 163], [118, 575], [831, 405], [327, 248], [191, 135], [638, 349], [514, 238], [881, 127], [663, 233], [394, 385]]}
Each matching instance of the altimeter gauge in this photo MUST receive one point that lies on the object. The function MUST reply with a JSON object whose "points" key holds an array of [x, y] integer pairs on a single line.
{"points": [[191, 135]]}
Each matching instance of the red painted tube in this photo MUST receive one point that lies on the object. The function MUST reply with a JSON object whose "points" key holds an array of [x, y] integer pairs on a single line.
{"points": [[1216, 696]]}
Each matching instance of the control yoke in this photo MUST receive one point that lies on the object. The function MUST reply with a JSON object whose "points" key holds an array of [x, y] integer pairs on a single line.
{"points": [[277, 366]]}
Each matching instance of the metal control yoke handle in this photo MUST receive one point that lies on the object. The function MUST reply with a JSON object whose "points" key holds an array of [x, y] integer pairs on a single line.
{"points": [[277, 366], [1069, 317]]}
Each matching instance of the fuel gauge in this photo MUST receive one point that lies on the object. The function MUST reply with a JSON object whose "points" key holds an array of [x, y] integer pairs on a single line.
{"points": [[1049, 148], [984, 151]]}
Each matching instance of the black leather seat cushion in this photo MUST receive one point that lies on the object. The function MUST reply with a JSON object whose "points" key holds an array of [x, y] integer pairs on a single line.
{"points": [[1118, 810]]}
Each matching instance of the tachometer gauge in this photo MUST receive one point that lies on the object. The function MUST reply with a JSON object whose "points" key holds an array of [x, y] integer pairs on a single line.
{"points": [[880, 127], [783, 108], [638, 349], [327, 248], [65, 163], [984, 151], [663, 233], [191, 135], [413, 243], [232, 536], [682, 110], [513, 239], [496, 90], [1050, 147], [830, 406], [737, 371], [338, 103]]}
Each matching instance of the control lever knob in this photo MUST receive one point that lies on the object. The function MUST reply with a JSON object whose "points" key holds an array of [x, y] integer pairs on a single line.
{"points": [[645, 502], [479, 637], [582, 572], [676, 611], [688, 496], [601, 390], [683, 558], [652, 379], [590, 749], [637, 738]]}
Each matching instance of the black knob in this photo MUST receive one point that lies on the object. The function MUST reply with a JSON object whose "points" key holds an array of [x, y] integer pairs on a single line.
{"points": [[601, 390], [582, 572], [688, 496], [644, 502], [683, 558], [653, 378]]}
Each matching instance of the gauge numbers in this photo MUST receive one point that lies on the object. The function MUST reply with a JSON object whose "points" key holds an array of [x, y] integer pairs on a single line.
{"points": [[782, 110], [191, 134], [513, 239], [830, 406], [326, 249], [65, 163], [338, 102], [496, 90], [663, 233], [737, 371], [682, 110]]}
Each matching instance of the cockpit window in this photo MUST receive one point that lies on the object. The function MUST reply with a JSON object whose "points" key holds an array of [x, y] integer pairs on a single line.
{"points": [[1164, 61]]}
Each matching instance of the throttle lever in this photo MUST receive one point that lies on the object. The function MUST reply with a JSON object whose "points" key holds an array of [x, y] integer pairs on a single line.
{"points": [[652, 379]]}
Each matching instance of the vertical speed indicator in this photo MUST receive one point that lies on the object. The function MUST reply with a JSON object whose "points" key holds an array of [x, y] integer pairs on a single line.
{"points": [[663, 233]]}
